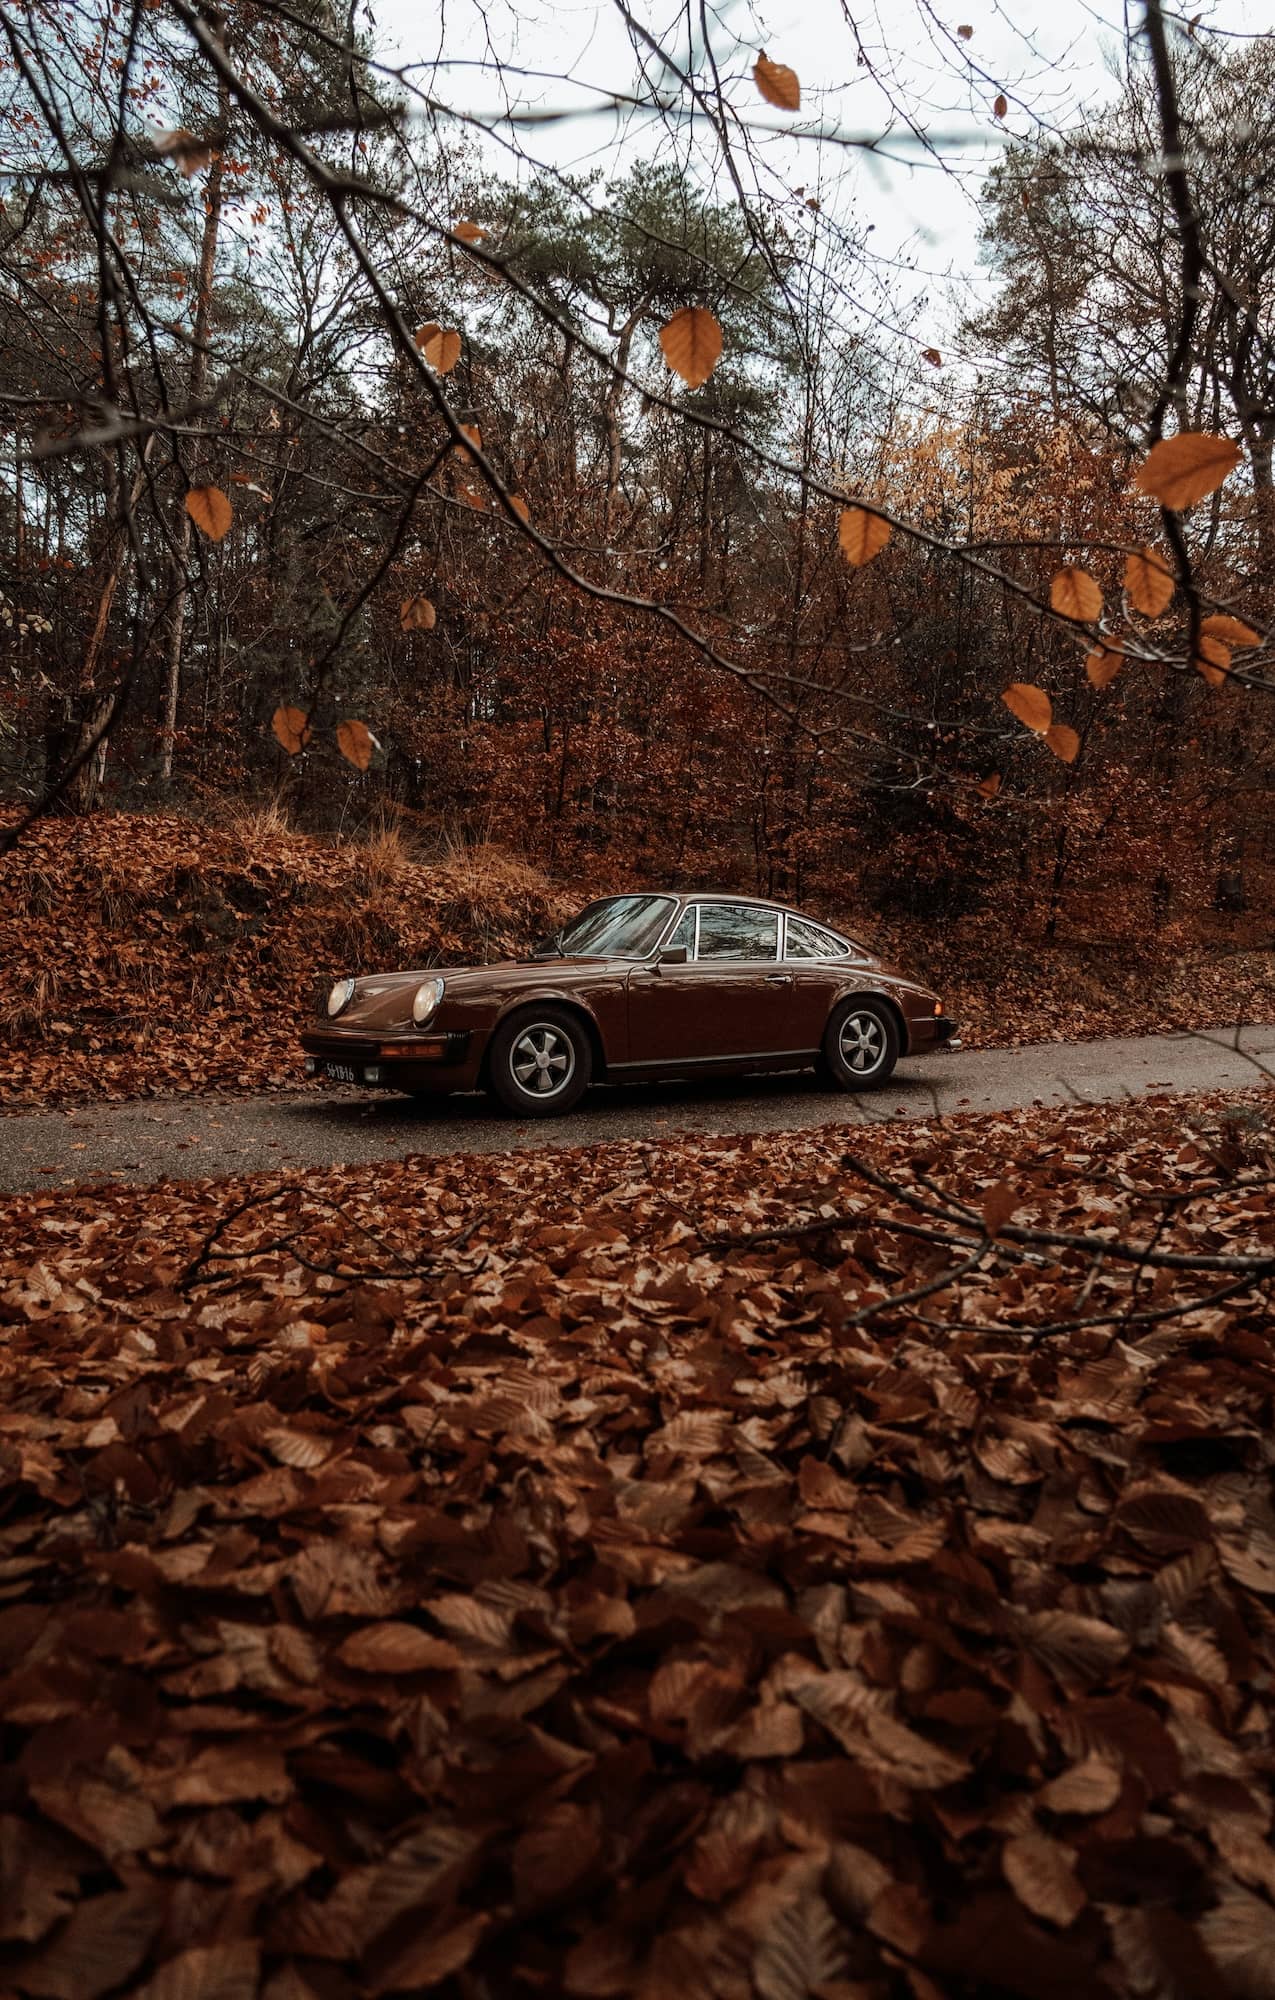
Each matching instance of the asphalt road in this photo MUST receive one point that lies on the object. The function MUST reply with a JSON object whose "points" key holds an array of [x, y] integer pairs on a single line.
{"points": [[192, 1137]]}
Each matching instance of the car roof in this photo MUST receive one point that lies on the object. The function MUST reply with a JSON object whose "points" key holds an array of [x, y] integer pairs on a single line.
{"points": [[734, 896]]}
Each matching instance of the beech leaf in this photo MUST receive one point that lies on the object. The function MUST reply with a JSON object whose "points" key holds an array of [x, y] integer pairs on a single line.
{"points": [[210, 510], [692, 344], [354, 741], [1103, 666], [292, 729], [1001, 106], [1183, 469], [1232, 631], [1030, 704], [999, 1204], [777, 83], [441, 350], [469, 232], [861, 534], [1075, 594], [1063, 741], [417, 614], [1040, 1873], [1213, 659], [1149, 583]]}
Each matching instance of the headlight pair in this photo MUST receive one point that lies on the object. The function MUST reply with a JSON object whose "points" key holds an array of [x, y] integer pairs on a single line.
{"points": [[424, 1001]]}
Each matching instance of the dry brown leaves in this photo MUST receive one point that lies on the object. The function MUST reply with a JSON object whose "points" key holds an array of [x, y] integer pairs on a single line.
{"points": [[152, 955], [583, 1609]]}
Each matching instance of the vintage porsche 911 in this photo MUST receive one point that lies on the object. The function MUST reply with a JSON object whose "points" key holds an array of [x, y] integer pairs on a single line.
{"points": [[635, 987]]}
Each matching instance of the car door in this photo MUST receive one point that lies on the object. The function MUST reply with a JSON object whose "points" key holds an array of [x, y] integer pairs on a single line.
{"points": [[818, 963], [726, 1004]]}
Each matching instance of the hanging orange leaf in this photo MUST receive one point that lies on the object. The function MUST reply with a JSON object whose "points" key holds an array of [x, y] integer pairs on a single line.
{"points": [[1213, 659], [1001, 106], [1075, 594], [965, 31], [1149, 583], [424, 334], [1232, 631], [1183, 469], [210, 510], [1030, 704], [692, 344], [1103, 666], [354, 741], [442, 351], [990, 785], [777, 83], [292, 729], [472, 432], [862, 535], [416, 614], [520, 507], [1063, 741], [932, 355], [469, 232]]}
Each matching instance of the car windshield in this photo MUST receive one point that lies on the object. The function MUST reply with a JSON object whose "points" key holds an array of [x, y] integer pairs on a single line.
{"points": [[620, 926]]}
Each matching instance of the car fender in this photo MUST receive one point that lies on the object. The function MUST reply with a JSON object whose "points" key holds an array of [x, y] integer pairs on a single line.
{"points": [[567, 998], [872, 986]]}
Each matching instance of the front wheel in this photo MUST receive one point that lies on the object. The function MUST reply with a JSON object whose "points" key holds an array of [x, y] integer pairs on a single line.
{"points": [[861, 1044], [540, 1063]]}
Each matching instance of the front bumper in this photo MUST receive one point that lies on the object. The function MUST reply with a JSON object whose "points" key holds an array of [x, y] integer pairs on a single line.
{"points": [[440, 1061]]}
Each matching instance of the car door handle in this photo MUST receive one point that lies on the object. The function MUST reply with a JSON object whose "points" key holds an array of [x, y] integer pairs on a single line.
{"points": [[779, 979]]}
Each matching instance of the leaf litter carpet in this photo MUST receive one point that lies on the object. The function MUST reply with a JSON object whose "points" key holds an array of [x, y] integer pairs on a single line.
{"points": [[557, 1574]]}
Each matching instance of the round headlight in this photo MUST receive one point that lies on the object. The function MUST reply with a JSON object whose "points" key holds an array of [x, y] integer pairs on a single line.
{"points": [[340, 997], [425, 1001]]}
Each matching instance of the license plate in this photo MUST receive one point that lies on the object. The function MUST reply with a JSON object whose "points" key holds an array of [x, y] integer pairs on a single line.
{"points": [[339, 1072]]}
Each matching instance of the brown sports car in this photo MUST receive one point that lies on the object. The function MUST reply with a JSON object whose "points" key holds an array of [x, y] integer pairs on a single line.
{"points": [[657, 985]]}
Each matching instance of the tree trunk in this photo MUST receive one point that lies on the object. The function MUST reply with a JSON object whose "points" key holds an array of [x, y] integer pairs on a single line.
{"points": [[198, 384], [615, 394]]}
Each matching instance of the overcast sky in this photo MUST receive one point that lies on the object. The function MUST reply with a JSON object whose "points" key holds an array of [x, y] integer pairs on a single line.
{"points": [[1054, 60]]}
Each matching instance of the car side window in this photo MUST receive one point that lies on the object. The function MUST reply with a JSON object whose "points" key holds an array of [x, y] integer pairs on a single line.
{"points": [[736, 930], [808, 941], [683, 937]]}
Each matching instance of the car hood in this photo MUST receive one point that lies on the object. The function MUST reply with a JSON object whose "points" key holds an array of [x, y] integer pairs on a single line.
{"points": [[384, 999]]}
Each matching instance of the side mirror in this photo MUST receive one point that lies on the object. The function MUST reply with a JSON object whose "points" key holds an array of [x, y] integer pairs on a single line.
{"points": [[674, 955]]}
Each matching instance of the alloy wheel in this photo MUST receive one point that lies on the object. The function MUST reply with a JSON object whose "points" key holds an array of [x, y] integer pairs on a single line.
{"points": [[542, 1060], [862, 1043]]}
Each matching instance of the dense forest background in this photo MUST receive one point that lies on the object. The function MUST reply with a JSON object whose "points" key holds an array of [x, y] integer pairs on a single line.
{"points": [[830, 730]]}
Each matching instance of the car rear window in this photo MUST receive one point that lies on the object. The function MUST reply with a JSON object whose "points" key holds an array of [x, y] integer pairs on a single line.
{"points": [[808, 941], [736, 930]]}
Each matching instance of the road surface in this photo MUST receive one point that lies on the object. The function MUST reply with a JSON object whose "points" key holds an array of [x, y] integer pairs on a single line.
{"points": [[191, 1137]]}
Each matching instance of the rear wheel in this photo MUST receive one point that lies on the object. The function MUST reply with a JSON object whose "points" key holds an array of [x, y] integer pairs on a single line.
{"points": [[540, 1062], [861, 1044]]}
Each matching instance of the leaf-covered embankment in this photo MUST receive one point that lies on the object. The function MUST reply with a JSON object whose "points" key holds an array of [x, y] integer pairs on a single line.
{"points": [[557, 1573], [144, 954]]}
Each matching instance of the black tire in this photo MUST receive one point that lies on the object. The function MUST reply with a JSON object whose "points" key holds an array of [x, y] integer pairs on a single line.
{"points": [[861, 1044], [540, 1042]]}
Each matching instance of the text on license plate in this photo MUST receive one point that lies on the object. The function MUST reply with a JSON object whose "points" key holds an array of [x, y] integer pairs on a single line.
{"points": [[340, 1072]]}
